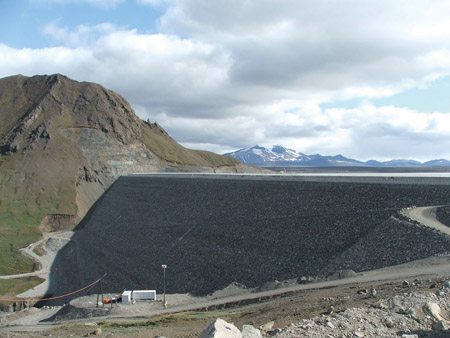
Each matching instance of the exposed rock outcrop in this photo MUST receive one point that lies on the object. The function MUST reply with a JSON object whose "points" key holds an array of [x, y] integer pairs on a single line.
{"points": [[63, 143], [221, 329], [409, 315], [412, 314]]}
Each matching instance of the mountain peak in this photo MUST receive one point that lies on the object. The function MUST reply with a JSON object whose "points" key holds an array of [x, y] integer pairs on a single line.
{"points": [[259, 155], [280, 156], [63, 142]]}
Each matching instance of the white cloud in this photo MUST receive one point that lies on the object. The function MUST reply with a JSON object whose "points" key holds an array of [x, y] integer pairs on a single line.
{"points": [[389, 132], [230, 73], [45, 61], [324, 44], [82, 36]]}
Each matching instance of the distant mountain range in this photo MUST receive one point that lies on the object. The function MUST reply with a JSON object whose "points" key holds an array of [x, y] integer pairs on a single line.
{"points": [[281, 156]]}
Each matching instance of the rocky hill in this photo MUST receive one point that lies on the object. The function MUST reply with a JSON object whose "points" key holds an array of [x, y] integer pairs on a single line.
{"points": [[62, 144]]}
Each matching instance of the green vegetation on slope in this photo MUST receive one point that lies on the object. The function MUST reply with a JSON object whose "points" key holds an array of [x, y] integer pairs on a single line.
{"points": [[30, 189], [18, 96], [16, 286], [171, 151], [40, 167]]}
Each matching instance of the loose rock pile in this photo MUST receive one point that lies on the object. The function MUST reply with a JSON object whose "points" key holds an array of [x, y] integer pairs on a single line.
{"points": [[413, 314], [400, 240], [410, 315]]}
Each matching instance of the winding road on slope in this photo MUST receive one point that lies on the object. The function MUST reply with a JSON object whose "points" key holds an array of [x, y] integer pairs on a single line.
{"points": [[427, 217], [51, 242]]}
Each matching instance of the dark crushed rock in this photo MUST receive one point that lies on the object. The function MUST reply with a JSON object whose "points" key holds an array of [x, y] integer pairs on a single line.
{"points": [[443, 215], [70, 312], [211, 233], [390, 243]]}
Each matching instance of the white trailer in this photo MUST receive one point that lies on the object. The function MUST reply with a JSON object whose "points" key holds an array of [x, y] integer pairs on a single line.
{"points": [[129, 297], [144, 295]]}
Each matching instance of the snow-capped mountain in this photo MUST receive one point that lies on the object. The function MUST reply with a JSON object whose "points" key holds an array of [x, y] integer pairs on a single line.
{"points": [[261, 155], [278, 155], [281, 156]]}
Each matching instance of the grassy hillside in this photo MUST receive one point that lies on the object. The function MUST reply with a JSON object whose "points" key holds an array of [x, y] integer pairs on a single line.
{"points": [[18, 95], [62, 143], [30, 189], [169, 150]]}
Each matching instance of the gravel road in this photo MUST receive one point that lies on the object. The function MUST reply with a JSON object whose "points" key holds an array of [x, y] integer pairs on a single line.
{"points": [[426, 216], [83, 308], [51, 242]]}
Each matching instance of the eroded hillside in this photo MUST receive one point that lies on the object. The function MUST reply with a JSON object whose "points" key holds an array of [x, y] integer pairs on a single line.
{"points": [[62, 144]]}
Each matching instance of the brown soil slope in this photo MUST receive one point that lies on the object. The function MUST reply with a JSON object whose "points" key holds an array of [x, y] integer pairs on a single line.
{"points": [[62, 144]]}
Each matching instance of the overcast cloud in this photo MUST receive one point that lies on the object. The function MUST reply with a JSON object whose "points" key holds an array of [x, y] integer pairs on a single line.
{"points": [[226, 74]]}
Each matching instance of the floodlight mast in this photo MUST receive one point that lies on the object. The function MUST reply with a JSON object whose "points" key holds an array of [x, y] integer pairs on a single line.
{"points": [[164, 267]]}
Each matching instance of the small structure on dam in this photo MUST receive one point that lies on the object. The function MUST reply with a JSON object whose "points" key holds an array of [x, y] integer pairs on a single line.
{"points": [[215, 231], [129, 297]]}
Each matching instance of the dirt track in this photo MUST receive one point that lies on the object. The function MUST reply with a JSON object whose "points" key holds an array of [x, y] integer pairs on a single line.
{"points": [[426, 216], [282, 305], [51, 242]]}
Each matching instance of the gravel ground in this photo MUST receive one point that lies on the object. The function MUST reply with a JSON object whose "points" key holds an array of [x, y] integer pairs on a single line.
{"points": [[304, 313], [211, 233], [410, 315]]}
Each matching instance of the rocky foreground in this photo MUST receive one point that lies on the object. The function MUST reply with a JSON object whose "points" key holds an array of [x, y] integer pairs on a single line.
{"points": [[410, 315]]}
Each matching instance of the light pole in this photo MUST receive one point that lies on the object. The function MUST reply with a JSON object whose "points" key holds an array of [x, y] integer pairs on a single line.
{"points": [[164, 267]]}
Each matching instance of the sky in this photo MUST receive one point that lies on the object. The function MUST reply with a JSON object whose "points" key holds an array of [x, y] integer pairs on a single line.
{"points": [[369, 79]]}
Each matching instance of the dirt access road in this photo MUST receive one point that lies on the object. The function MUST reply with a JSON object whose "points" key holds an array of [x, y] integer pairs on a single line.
{"points": [[426, 216], [51, 242]]}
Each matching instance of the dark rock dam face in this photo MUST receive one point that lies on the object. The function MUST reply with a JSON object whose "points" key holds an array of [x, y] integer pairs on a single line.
{"points": [[212, 232]]}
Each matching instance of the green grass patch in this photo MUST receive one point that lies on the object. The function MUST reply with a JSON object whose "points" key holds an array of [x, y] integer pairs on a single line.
{"points": [[169, 150], [215, 159], [14, 236], [16, 286], [39, 250], [20, 215]]}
